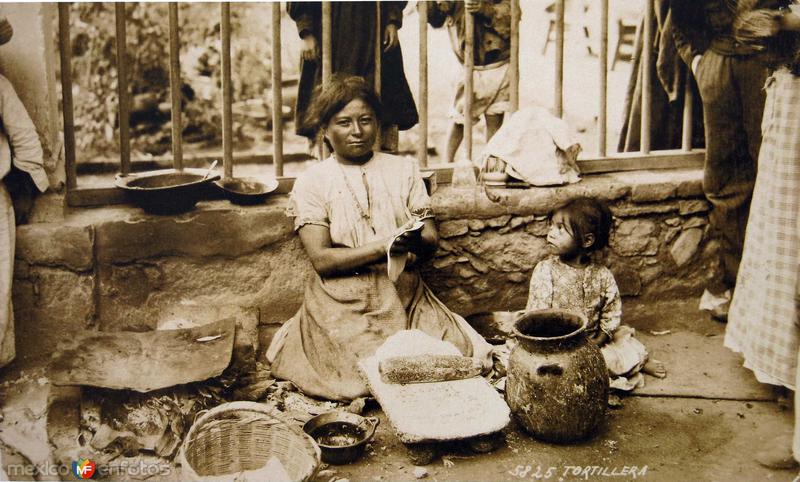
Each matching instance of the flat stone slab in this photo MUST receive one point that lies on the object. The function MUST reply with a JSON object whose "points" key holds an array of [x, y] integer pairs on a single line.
{"points": [[438, 411], [699, 366], [144, 361]]}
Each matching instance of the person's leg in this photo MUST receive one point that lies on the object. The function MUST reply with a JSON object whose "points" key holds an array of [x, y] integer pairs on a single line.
{"points": [[455, 134], [722, 115], [796, 438], [493, 123]]}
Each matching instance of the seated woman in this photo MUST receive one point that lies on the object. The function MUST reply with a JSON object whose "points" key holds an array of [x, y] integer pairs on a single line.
{"points": [[346, 208]]}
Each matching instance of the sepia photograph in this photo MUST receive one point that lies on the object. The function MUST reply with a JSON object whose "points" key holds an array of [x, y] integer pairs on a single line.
{"points": [[445, 240]]}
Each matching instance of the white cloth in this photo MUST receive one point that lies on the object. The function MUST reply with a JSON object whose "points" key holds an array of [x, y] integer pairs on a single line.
{"points": [[763, 318], [7, 239], [537, 147], [19, 143]]}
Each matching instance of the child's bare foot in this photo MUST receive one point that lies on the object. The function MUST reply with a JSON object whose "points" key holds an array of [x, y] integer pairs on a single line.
{"points": [[655, 368]]}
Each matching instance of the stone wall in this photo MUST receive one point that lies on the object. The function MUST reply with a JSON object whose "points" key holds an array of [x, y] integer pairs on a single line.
{"points": [[116, 268]]}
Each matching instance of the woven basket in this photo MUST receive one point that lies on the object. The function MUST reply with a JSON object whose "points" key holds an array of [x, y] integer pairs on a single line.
{"points": [[235, 440]]}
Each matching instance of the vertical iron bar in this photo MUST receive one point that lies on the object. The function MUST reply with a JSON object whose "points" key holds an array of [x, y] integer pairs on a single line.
{"points": [[514, 61], [423, 84], [327, 43], [122, 91], [559, 100], [688, 113], [227, 90], [603, 116], [175, 86], [277, 93], [469, 62], [65, 49], [378, 47], [646, 63]]}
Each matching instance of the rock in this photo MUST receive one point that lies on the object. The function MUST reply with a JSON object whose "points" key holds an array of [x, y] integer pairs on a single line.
{"points": [[420, 472], [649, 274], [670, 233], [690, 188], [686, 245], [695, 222], [673, 221], [628, 281], [56, 245], [479, 265], [517, 277], [466, 272], [637, 210], [498, 222], [538, 227], [518, 221], [476, 225], [445, 262], [652, 192], [635, 237], [693, 206], [451, 229]]}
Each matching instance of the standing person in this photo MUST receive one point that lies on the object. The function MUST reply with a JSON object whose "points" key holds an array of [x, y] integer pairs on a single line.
{"points": [[668, 91], [492, 41], [346, 209], [764, 321], [730, 76], [354, 32], [22, 171]]}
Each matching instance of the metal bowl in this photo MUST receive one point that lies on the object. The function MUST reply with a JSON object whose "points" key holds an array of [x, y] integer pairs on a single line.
{"points": [[166, 191], [246, 190], [341, 435]]}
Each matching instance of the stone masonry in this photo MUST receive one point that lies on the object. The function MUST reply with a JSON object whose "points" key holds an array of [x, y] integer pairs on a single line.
{"points": [[117, 268]]}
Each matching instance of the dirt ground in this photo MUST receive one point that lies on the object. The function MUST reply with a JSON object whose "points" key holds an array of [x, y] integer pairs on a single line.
{"points": [[703, 422]]}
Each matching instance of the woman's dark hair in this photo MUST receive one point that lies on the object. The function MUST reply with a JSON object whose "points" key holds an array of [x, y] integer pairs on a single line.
{"points": [[339, 92], [588, 216]]}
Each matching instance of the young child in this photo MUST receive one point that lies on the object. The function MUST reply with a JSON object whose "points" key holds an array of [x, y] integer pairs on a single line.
{"points": [[571, 280], [490, 97]]}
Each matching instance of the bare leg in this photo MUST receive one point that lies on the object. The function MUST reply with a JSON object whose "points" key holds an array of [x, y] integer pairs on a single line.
{"points": [[455, 134], [493, 122]]}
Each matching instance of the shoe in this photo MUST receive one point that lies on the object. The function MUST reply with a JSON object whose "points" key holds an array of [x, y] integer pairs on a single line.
{"points": [[716, 305]]}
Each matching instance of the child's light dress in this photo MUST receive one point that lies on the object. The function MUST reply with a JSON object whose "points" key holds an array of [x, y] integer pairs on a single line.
{"points": [[592, 291]]}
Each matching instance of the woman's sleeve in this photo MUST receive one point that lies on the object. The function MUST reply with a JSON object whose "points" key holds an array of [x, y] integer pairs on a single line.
{"points": [[611, 314], [306, 15], [540, 291], [419, 202], [392, 12], [26, 150], [307, 204]]}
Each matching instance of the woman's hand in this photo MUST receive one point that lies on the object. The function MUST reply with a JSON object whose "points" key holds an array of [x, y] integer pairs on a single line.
{"points": [[310, 50], [408, 242], [390, 38]]}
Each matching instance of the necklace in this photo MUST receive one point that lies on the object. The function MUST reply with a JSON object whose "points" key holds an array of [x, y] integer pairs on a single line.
{"points": [[364, 213]]}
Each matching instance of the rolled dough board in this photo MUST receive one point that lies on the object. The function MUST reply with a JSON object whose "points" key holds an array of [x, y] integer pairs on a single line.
{"points": [[438, 411]]}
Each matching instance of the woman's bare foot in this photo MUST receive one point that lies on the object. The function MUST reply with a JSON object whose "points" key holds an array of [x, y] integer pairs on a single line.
{"points": [[777, 454], [655, 368]]}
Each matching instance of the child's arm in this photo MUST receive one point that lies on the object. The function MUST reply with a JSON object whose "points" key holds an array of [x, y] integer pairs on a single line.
{"points": [[611, 312], [540, 290]]}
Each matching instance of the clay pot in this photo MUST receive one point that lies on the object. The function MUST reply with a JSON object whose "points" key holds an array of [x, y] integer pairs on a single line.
{"points": [[557, 386]]}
